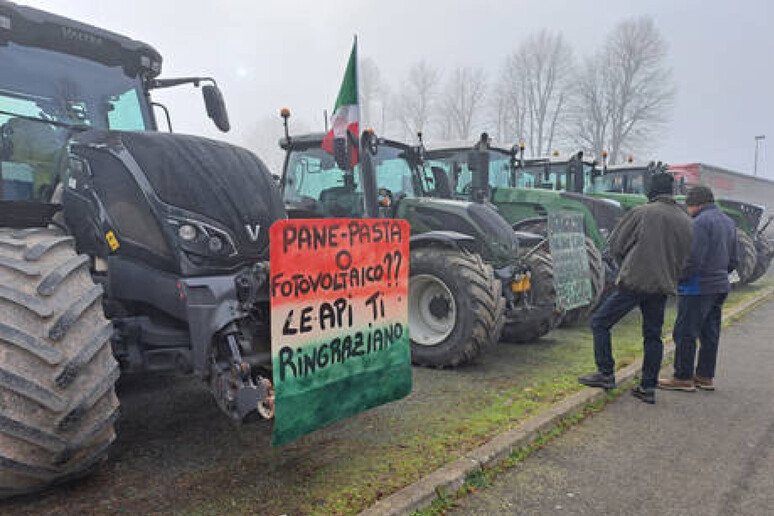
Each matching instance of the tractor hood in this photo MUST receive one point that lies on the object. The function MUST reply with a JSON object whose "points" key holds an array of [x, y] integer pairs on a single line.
{"points": [[606, 212], [180, 179], [498, 242]]}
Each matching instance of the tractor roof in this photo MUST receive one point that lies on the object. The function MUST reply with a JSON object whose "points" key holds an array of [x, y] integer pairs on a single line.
{"points": [[439, 148], [640, 165], [315, 139], [35, 28]]}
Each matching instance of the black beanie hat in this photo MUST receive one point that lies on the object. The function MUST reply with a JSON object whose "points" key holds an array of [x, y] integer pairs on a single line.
{"points": [[699, 195], [660, 184]]}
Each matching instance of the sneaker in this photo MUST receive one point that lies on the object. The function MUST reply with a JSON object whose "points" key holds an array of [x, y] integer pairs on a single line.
{"points": [[605, 381], [676, 384], [647, 395], [705, 384]]}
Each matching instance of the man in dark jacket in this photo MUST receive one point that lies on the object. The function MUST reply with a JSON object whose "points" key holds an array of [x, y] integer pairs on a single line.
{"points": [[651, 244], [703, 290]]}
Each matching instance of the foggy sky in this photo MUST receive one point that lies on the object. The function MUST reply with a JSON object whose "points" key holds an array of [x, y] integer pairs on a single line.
{"points": [[268, 55]]}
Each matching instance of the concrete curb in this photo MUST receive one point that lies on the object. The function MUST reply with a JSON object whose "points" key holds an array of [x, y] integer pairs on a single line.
{"points": [[451, 477]]}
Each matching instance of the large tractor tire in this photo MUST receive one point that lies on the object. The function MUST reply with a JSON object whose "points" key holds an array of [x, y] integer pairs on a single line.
{"points": [[764, 253], [543, 294], [455, 306], [57, 373], [747, 257], [598, 274]]}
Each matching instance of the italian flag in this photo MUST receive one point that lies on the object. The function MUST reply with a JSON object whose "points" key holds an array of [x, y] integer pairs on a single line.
{"points": [[344, 135]]}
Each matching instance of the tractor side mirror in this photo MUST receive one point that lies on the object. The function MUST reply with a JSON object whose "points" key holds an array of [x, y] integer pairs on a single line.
{"points": [[216, 107]]}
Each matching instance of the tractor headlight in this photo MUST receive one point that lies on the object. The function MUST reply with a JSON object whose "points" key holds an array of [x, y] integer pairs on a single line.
{"points": [[215, 244], [201, 238], [187, 232]]}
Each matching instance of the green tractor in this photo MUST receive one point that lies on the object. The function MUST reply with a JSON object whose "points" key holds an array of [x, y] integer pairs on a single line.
{"points": [[520, 191], [468, 285], [628, 183]]}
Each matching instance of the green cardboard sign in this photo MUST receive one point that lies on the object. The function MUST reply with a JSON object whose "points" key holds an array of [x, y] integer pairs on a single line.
{"points": [[572, 275]]}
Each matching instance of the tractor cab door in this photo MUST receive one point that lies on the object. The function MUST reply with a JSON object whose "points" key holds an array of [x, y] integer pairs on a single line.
{"points": [[31, 153], [396, 174]]}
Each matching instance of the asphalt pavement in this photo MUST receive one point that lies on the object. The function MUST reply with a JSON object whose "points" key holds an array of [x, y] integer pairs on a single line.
{"points": [[701, 453]]}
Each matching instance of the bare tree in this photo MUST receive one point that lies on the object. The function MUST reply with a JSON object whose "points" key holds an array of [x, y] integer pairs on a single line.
{"points": [[627, 93], [536, 84], [417, 98], [508, 101], [462, 102], [591, 113]]}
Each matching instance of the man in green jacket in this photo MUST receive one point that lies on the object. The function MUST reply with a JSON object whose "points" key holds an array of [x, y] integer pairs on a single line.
{"points": [[651, 245]]}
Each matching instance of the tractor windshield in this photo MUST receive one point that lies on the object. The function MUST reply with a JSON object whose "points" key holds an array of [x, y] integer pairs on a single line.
{"points": [[456, 166], [394, 172], [44, 97], [632, 182], [542, 174], [314, 183]]}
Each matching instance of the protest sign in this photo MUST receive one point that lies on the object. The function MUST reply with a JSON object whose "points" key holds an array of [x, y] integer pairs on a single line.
{"points": [[572, 276], [340, 342]]}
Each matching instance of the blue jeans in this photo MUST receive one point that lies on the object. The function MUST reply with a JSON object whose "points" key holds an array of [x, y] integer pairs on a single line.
{"points": [[698, 317], [612, 310]]}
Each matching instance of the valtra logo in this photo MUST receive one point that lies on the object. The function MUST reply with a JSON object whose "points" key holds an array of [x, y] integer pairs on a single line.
{"points": [[76, 35], [253, 231]]}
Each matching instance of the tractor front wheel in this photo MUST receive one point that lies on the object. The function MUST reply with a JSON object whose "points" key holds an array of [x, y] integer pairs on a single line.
{"points": [[57, 373], [747, 257], [455, 306], [764, 253]]}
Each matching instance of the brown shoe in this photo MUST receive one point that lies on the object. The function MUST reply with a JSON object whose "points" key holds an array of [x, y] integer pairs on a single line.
{"points": [[705, 384], [675, 384]]}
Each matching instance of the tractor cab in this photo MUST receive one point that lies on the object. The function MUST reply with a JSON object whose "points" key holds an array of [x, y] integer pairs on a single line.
{"points": [[629, 178], [48, 92], [316, 184], [61, 78], [507, 168], [525, 189], [571, 174]]}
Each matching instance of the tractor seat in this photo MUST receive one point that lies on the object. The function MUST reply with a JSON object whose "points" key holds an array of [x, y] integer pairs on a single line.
{"points": [[442, 183], [341, 201]]}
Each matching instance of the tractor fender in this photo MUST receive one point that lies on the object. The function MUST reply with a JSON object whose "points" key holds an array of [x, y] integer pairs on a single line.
{"points": [[528, 223], [445, 239], [528, 240]]}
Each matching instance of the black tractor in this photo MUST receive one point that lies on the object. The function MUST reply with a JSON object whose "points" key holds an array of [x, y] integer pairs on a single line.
{"points": [[122, 249], [467, 282]]}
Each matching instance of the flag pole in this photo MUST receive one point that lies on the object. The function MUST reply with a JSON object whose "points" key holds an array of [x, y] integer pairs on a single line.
{"points": [[357, 87]]}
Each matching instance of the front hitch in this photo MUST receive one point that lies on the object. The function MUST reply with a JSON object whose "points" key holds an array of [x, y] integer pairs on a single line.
{"points": [[239, 390]]}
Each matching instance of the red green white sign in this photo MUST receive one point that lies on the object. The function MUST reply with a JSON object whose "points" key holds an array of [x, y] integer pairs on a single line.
{"points": [[339, 311]]}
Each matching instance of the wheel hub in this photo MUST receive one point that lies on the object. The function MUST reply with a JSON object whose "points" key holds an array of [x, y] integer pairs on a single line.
{"points": [[439, 307], [432, 310]]}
